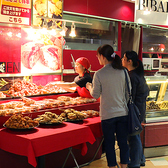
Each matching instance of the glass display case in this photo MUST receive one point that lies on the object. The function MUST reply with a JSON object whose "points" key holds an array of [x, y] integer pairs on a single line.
{"points": [[155, 41], [16, 85], [157, 101]]}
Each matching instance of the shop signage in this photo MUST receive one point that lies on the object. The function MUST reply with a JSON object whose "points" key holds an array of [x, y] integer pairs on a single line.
{"points": [[10, 67], [16, 11], [10, 42], [49, 9], [151, 12], [153, 5], [41, 51]]}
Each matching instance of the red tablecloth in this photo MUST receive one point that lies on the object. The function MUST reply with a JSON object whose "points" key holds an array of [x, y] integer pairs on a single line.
{"points": [[44, 140], [95, 126]]}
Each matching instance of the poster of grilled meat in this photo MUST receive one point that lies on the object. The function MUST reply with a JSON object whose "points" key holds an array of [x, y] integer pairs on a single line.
{"points": [[43, 54]]}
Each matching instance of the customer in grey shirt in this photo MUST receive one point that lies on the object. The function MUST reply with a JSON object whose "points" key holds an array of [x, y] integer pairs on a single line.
{"points": [[109, 84]]}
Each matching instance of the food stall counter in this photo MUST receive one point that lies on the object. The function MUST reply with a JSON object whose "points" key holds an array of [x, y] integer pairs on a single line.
{"points": [[44, 140]]}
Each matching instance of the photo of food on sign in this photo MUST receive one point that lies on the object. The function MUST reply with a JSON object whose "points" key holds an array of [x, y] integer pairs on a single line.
{"points": [[41, 51], [46, 8]]}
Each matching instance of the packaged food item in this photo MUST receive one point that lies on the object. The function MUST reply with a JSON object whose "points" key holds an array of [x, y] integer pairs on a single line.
{"points": [[28, 101], [10, 105], [64, 98], [48, 104], [91, 113], [72, 114], [55, 104], [41, 106], [10, 111], [49, 118], [34, 107], [19, 104], [27, 109], [2, 95], [18, 110], [2, 106], [61, 103], [2, 112]]}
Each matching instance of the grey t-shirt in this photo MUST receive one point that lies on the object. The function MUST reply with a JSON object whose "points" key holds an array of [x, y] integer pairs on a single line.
{"points": [[110, 85]]}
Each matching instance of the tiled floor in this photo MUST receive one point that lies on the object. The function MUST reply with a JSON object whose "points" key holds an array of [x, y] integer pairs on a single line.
{"points": [[159, 162]]}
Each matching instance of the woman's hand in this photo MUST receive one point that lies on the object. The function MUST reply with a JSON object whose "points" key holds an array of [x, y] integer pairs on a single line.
{"points": [[88, 86]]}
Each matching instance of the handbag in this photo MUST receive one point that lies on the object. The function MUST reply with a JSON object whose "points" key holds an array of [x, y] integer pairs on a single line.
{"points": [[134, 124]]}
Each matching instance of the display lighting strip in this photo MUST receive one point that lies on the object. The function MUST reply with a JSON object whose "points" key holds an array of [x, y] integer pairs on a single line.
{"points": [[64, 29], [72, 34], [64, 21]]}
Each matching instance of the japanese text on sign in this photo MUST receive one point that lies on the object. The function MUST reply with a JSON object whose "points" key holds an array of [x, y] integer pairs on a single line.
{"points": [[15, 11], [15, 20]]}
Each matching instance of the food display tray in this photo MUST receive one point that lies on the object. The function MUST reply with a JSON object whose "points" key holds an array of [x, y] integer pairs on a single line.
{"points": [[20, 129]]}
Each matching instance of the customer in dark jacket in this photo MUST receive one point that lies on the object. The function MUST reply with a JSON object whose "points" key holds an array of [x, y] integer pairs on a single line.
{"points": [[139, 93]]}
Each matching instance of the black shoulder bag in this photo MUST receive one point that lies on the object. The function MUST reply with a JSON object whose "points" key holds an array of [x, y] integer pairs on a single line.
{"points": [[134, 124]]}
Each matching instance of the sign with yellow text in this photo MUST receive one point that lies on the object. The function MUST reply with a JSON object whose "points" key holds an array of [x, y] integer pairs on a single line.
{"points": [[15, 11]]}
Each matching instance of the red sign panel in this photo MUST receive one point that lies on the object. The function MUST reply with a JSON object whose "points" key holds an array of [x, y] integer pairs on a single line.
{"points": [[16, 11], [10, 50]]}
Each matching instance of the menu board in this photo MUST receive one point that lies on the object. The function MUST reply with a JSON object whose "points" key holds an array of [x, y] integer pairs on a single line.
{"points": [[41, 50], [10, 42], [47, 8], [16, 11]]}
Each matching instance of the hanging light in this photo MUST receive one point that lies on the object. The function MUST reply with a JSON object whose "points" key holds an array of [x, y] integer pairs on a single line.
{"points": [[45, 24], [64, 29], [72, 34], [152, 49], [54, 25], [44, 29], [130, 26], [53, 30]]}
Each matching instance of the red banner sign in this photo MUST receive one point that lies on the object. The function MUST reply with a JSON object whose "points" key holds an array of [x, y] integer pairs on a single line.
{"points": [[16, 11]]}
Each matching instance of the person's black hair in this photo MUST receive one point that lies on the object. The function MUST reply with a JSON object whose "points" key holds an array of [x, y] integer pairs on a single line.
{"points": [[107, 51], [132, 55]]}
